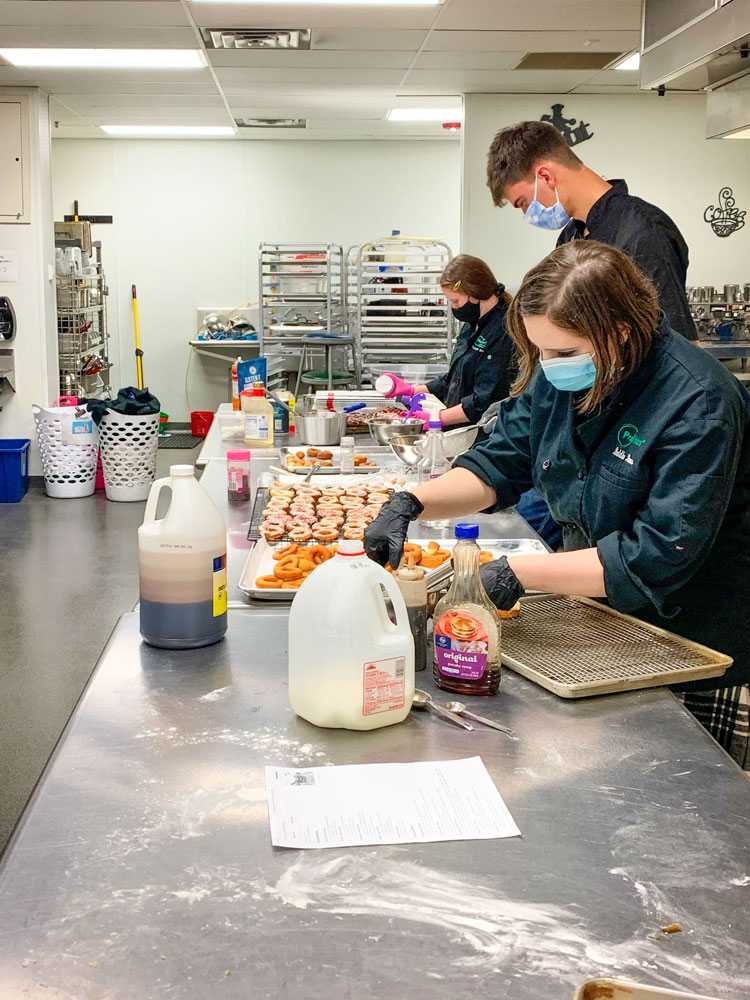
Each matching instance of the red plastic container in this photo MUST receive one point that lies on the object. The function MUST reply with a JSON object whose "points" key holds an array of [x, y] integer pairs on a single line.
{"points": [[200, 422]]}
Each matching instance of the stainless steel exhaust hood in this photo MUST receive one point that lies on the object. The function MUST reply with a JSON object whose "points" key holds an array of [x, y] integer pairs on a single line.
{"points": [[701, 46]]}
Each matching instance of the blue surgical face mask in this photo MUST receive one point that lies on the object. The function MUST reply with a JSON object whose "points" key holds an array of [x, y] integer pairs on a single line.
{"points": [[570, 374], [554, 217]]}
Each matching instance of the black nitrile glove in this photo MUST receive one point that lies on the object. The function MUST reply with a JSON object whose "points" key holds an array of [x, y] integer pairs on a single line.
{"points": [[501, 583], [385, 537]]}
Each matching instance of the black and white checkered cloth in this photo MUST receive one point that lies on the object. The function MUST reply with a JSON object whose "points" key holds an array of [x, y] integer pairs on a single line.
{"points": [[726, 715]]}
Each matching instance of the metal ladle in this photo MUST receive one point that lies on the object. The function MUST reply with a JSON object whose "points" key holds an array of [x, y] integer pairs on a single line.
{"points": [[423, 701], [459, 708]]}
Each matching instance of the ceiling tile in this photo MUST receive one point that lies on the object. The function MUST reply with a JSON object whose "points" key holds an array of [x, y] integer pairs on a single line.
{"points": [[469, 60], [532, 41], [491, 81], [57, 36], [271, 15], [371, 39], [550, 16], [108, 13], [320, 59], [296, 76]]}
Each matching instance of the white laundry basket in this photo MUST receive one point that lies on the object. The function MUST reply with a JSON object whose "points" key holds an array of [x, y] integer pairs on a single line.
{"points": [[69, 469], [129, 444]]}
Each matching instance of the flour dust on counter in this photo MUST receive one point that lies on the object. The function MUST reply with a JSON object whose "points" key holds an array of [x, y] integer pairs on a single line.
{"points": [[491, 933]]}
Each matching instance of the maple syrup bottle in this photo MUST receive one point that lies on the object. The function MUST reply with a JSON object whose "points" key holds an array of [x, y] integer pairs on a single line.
{"points": [[466, 626]]}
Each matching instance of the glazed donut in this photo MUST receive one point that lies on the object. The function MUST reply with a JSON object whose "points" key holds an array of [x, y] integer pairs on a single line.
{"points": [[325, 533], [300, 533], [288, 550], [325, 455], [288, 568], [271, 532], [331, 522], [378, 498], [267, 583], [351, 531]]}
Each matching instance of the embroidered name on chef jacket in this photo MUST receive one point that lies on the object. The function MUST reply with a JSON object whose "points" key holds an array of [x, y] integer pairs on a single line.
{"points": [[627, 437]]}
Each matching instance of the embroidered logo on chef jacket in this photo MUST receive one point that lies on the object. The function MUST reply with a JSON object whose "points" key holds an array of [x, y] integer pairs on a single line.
{"points": [[627, 437], [479, 344]]}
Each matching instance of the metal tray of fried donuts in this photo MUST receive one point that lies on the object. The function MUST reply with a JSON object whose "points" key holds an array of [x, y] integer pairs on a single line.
{"points": [[275, 570]]}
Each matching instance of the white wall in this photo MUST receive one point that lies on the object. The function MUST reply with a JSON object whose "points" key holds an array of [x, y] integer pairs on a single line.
{"points": [[189, 215], [656, 144], [33, 295]]}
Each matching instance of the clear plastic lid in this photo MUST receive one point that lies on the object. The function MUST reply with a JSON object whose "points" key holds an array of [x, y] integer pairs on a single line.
{"points": [[467, 531]]}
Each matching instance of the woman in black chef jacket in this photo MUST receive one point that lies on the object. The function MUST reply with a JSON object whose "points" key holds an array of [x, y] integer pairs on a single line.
{"points": [[639, 443], [481, 369]]}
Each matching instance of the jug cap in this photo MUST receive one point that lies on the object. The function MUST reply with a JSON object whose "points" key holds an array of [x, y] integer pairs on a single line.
{"points": [[350, 547], [181, 470], [467, 531], [239, 455]]}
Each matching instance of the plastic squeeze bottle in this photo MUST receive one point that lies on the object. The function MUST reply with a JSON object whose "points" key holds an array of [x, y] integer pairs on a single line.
{"points": [[183, 566], [466, 626], [350, 666], [413, 586], [257, 414]]}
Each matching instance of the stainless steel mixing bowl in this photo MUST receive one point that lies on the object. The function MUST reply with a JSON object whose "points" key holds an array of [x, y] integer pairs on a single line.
{"points": [[383, 429]]}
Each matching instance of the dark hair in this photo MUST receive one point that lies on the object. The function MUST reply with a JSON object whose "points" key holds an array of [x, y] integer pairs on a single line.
{"points": [[517, 149], [595, 291], [473, 277]]}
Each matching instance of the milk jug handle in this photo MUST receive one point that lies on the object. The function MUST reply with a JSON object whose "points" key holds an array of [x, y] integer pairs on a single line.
{"points": [[153, 498], [396, 597]]}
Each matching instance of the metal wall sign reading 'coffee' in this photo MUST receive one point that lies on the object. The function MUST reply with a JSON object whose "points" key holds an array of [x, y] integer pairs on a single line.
{"points": [[724, 218]]}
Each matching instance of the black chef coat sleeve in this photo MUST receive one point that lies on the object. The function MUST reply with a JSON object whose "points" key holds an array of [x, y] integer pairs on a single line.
{"points": [[694, 467], [439, 387], [503, 461], [493, 375], [655, 255]]}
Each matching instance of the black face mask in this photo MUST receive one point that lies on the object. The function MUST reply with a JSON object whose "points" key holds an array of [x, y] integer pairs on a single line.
{"points": [[467, 313]]}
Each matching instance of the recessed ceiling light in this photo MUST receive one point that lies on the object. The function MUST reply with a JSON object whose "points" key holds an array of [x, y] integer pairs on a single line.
{"points": [[106, 58], [347, 3], [167, 131], [424, 115], [739, 133], [633, 61]]}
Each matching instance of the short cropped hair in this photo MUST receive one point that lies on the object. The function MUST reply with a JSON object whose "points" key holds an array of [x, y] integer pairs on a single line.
{"points": [[517, 149]]}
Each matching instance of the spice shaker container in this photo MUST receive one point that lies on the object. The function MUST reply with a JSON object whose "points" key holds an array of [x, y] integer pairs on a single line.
{"points": [[238, 474], [413, 586], [347, 454]]}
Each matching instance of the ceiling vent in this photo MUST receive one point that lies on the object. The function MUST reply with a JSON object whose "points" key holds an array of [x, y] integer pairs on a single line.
{"points": [[271, 122], [256, 38], [568, 60]]}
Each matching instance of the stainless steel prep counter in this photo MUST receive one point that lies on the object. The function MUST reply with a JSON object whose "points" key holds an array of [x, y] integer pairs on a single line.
{"points": [[506, 524], [143, 865]]}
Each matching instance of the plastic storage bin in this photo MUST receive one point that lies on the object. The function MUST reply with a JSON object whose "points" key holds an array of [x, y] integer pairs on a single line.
{"points": [[69, 469], [14, 469], [129, 444], [231, 426]]}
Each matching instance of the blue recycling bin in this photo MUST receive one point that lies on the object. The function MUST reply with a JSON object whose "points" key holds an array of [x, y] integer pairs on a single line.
{"points": [[14, 469]]}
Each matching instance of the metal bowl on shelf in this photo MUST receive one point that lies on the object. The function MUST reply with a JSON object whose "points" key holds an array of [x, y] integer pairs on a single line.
{"points": [[384, 429]]}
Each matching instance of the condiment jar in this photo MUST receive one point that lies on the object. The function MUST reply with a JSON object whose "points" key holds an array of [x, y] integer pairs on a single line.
{"points": [[238, 474]]}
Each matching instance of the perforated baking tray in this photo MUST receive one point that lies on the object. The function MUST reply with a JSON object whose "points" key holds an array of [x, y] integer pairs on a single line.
{"points": [[576, 647]]}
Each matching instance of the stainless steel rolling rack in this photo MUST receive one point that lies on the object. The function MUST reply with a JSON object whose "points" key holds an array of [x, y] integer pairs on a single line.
{"points": [[82, 333], [396, 306], [300, 291]]}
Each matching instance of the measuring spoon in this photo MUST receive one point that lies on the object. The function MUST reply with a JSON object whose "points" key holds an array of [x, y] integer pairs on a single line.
{"points": [[459, 708], [423, 701]]}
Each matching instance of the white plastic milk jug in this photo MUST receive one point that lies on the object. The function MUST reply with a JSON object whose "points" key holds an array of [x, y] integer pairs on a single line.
{"points": [[350, 666], [183, 566]]}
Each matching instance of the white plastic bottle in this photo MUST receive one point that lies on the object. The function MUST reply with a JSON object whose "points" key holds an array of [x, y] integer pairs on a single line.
{"points": [[350, 666], [183, 566], [434, 463]]}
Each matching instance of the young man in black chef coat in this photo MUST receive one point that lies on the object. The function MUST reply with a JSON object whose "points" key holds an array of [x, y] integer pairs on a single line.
{"points": [[532, 168]]}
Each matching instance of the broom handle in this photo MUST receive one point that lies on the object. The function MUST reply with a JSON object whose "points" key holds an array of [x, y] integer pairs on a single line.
{"points": [[138, 351]]}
